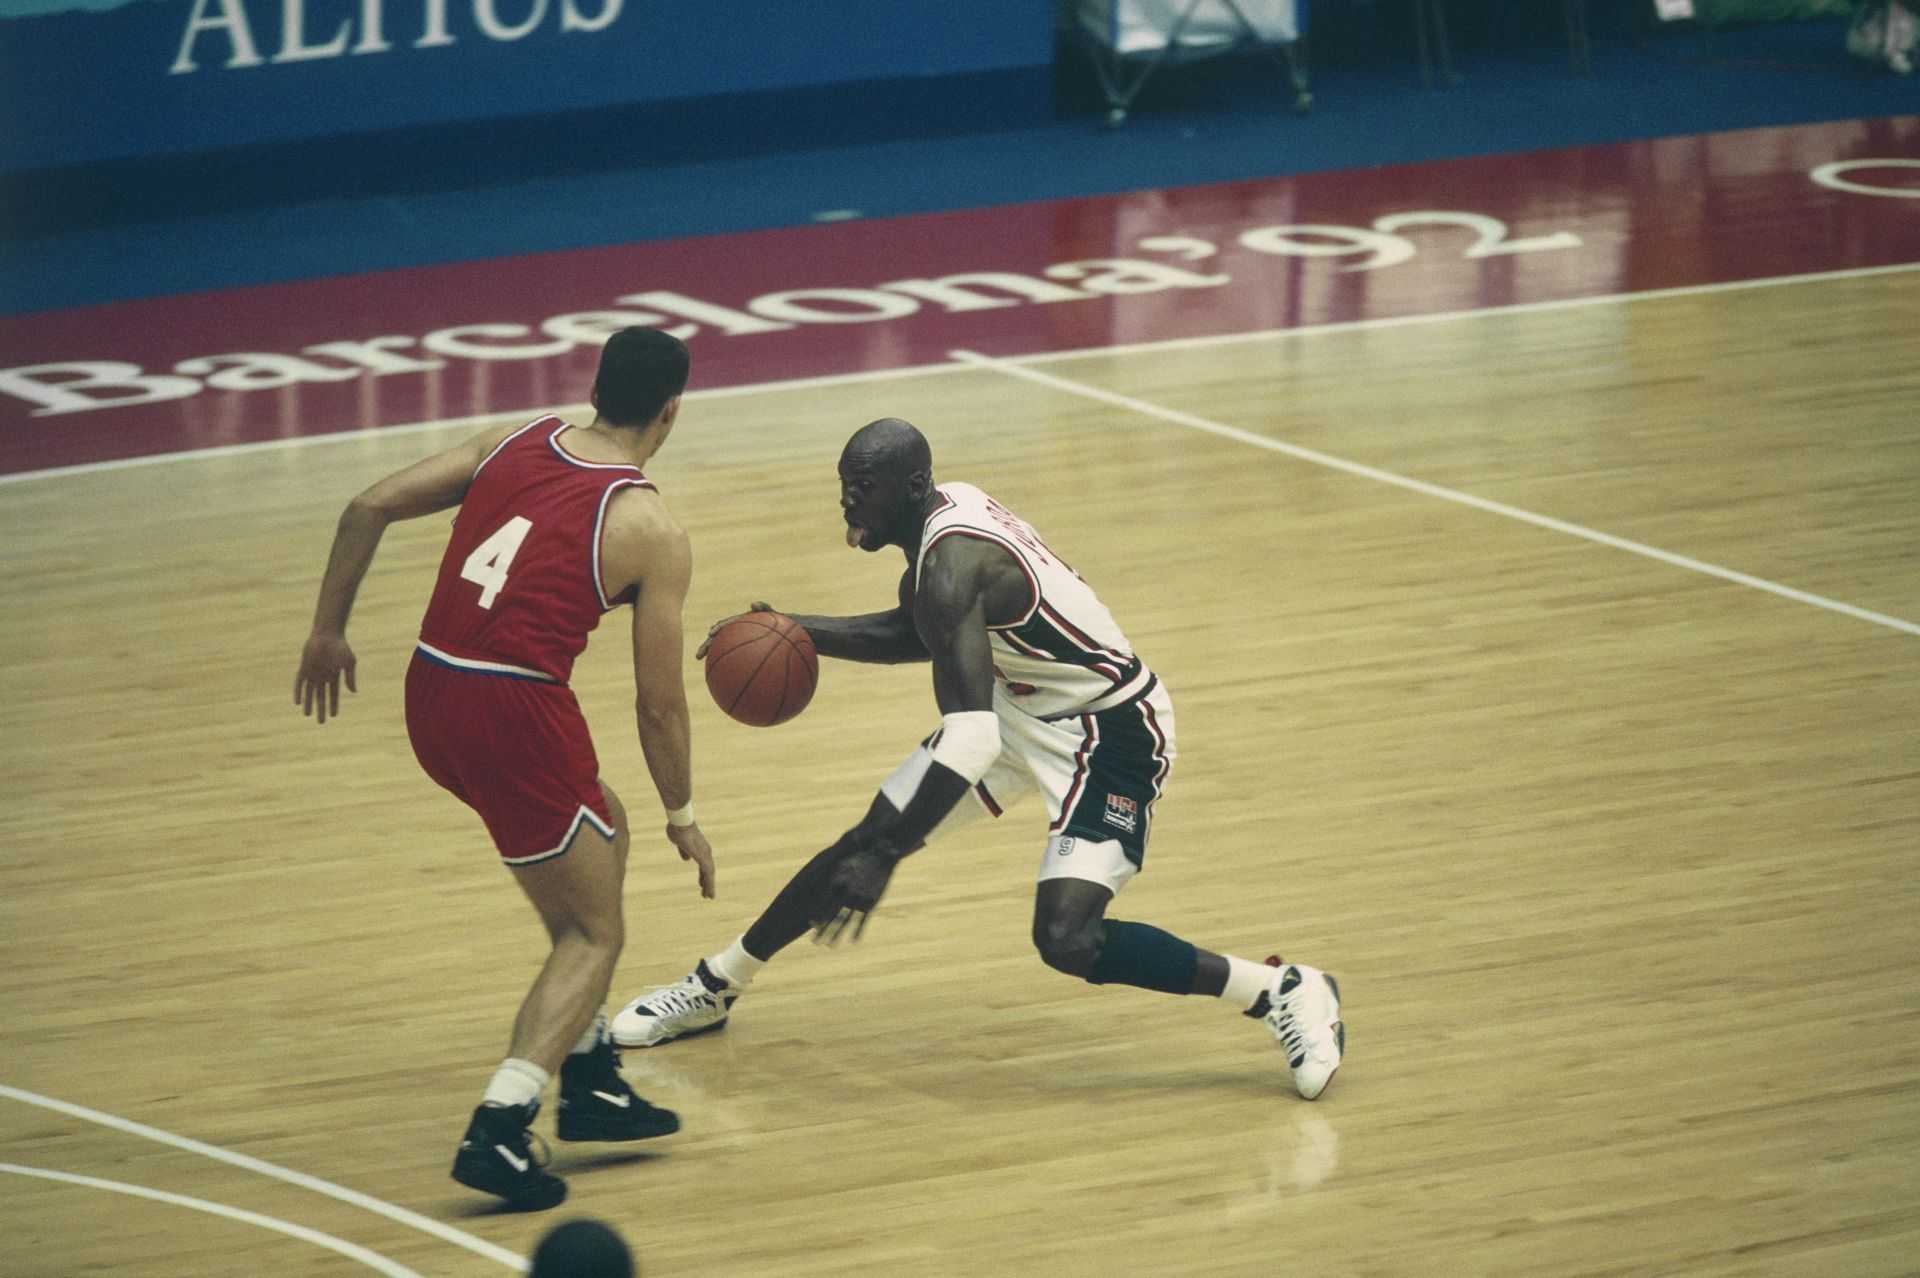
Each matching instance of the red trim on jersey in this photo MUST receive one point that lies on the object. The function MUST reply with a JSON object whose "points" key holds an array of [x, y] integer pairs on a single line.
{"points": [[1091, 728], [1087, 643], [1160, 753], [980, 534], [986, 799]]}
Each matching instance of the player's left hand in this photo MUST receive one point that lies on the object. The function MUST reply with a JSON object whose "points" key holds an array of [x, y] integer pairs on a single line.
{"points": [[855, 889], [693, 847], [714, 629], [316, 687]]}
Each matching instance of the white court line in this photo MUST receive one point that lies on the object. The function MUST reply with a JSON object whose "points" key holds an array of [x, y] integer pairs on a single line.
{"points": [[371, 1259], [1446, 317], [924, 370], [414, 1220], [1011, 369], [477, 419]]}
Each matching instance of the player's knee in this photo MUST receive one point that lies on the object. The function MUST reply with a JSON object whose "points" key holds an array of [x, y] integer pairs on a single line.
{"points": [[1067, 945], [604, 934]]}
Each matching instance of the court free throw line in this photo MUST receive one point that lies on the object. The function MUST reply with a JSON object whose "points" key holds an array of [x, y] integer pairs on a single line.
{"points": [[354, 1197], [1011, 368]]}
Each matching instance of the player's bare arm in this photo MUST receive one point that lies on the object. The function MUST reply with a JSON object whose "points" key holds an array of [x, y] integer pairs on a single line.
{"points": [[963, 581], [644, 549], [877, 638], [432, 484]]}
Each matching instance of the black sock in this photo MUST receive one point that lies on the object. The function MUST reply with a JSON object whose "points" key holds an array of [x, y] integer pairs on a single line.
{"points": [[1139, 955]]}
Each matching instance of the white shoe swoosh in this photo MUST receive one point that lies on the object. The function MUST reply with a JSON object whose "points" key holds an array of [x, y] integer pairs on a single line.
{"points": [[622, 1101], [519, 1163]]}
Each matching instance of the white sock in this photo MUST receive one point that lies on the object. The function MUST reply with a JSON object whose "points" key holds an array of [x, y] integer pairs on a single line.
{"points": [[1246, 982], [516, 1082], [734, 965], [595, 1035]]}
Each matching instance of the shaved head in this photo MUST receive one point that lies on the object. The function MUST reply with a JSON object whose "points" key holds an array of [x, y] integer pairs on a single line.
{"points": [[891, 445], [886, 482]]}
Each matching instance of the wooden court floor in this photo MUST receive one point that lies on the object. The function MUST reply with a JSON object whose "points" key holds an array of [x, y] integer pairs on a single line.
{"points": [[1615, 857]]}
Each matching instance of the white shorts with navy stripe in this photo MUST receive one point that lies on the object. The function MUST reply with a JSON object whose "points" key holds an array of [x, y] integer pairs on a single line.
{"points": [[1099, 776]]}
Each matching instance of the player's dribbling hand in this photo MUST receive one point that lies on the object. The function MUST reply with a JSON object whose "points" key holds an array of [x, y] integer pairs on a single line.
{"points": [[714, 629], [854, 891], [316, 686], [693, 847]]}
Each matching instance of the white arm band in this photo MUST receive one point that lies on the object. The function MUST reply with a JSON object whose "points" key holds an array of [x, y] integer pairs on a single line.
{"points": [[969, 743]]}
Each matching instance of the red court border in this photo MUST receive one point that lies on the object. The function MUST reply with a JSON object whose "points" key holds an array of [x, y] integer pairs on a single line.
{"points": [[516, 335]]}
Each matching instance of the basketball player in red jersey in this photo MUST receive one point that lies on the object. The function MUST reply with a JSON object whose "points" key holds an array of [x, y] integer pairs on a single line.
{"points": [[556, 526], [1039, 692]]}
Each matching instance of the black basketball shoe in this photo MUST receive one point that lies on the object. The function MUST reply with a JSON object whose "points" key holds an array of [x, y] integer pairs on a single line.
{"points": [[597, 1104], [496, 1157]]}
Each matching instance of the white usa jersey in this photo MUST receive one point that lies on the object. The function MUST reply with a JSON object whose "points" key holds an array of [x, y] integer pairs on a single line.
{"points": [[1063, 654]]}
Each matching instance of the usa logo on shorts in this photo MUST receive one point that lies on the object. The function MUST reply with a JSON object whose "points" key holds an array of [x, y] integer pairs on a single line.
{"points": [[1123, 813]]}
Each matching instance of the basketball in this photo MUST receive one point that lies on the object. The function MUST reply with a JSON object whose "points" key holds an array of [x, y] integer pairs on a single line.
{"points": [[582, 1249], [761, 668]]}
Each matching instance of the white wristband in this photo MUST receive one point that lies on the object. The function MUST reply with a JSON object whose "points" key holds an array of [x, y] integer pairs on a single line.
{"points": [[681, 817]]}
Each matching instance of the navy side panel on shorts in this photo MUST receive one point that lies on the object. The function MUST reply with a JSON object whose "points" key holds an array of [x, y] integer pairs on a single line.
{"points": [[1122, 776]]}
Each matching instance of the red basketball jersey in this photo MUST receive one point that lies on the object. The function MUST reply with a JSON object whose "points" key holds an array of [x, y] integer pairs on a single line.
{"points": [[519, 588]]}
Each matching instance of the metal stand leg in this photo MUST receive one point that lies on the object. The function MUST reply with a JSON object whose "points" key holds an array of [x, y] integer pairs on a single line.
{"points": [[1121, 93], [1284, 58], [1579, 42], [1430, 26], [1121, 89], [1297, 76]]}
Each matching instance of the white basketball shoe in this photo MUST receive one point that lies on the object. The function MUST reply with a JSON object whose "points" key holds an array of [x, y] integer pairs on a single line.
{"points": [[696, 1004], [1302, 1008]]}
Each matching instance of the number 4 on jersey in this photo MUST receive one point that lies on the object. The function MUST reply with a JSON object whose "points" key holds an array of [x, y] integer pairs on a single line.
{"points": [[489, 561]]}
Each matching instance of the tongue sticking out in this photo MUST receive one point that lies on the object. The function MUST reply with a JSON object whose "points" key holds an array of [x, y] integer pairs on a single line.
{"points": [[854, 534]]}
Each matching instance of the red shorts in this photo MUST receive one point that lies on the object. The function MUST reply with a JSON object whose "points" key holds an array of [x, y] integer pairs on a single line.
{"points": [[515, 750]]}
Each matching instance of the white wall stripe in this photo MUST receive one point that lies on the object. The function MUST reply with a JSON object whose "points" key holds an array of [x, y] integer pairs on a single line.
{"points": [[1011, 369], [413, 1220], [371, 1259]]}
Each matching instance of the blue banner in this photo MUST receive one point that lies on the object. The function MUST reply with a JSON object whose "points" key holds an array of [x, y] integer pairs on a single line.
{"points": [[83, 81]]}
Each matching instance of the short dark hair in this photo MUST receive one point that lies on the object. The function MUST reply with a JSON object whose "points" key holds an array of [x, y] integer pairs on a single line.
{"points": [[640, 370]]}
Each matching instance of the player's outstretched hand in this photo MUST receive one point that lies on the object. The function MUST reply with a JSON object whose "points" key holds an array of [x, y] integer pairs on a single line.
{"points": [[316, 687], [693, 847], [714, 629], [854, 891]]}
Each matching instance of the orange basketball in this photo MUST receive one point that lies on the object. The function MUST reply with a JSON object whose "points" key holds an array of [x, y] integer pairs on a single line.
{"points": [[761, 668]]}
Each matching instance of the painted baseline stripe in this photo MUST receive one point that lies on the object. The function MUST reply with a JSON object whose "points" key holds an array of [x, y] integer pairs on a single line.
{"points": [[1011, 369], [371, 1259], [413, 1220]]}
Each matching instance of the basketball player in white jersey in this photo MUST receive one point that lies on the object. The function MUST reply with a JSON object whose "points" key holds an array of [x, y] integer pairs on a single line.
{"points": [[1039, 691]]}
